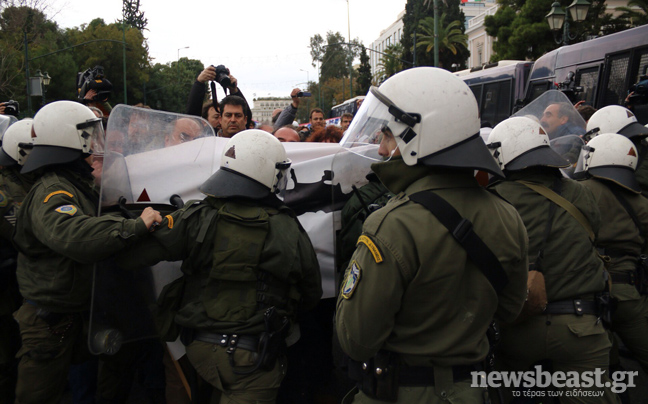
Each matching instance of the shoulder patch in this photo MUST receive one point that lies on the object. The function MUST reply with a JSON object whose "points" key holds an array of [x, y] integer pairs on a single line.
{"points": [[351, 281], [47, 198], [67, 209], [373, 248], [3, 200], [170, 219]]}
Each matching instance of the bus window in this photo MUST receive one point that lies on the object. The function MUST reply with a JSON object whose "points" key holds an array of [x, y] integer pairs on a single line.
{"points": [[477, 90], [588, 79], [496, 105], [616, 88]]}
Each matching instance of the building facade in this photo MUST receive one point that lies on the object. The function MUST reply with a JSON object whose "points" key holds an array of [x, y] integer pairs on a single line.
{"points": [[263, 107]]}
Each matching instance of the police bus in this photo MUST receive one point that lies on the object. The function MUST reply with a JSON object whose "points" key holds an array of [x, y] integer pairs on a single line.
{"points": [[600, 71], [351, 106], [498, 87]]}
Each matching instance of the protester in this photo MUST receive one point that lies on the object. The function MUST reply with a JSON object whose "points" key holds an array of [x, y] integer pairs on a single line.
{"points": [[328, 134]]}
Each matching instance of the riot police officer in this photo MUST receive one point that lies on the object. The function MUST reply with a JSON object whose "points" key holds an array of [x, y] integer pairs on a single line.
{"points": [[561, 219], [248, 269], [59, 237], [610, 161], [13, 188], [414, 309]]}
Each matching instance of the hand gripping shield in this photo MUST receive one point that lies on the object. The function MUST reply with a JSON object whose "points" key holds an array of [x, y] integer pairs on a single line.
{"points": [[151, 158]]}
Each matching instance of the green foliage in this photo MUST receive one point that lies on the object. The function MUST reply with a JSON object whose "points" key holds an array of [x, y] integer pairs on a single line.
{"points": [[390, 63], [132, 14], [632, 16], [451, 38], [417, 11], [110, 56], [332, 57], [522, 30], [364, 74], [170, 84]]}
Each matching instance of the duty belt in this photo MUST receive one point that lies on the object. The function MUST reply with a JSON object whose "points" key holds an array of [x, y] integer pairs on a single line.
{"points": [[411, 376], [627, 278], [233, 341], [576, 306]]}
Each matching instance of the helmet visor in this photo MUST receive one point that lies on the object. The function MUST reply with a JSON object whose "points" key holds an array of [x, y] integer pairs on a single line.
{"points": [[368, 124], [283, 172], [93, 133]]}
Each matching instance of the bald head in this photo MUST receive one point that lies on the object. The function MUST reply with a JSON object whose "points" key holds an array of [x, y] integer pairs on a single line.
{"points": [[185, 130], [286, 134]]}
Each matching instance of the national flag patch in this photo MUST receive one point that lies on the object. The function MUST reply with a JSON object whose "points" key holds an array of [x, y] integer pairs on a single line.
{"points": [[67, 209], [3, 200], [351, 281]]}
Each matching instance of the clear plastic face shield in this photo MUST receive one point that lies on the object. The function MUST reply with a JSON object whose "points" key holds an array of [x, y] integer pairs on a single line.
{"points": [[370, 126], [556, 114], [584, 158], [93, 134], [569, 148]]}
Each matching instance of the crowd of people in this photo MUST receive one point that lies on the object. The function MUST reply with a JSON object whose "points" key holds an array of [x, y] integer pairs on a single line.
{"points": [[538, 261]]}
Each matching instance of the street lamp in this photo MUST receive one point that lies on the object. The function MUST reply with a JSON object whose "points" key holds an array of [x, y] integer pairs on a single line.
{"points": [[179, 49], [46, 82], [557, 19]]}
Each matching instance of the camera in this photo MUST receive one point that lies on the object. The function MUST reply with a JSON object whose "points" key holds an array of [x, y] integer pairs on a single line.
{"points": [[11, 108], [222, 77], [303, 94], [640, 90], [94, 79]]}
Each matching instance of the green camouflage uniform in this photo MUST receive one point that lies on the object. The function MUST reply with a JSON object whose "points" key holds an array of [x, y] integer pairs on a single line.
{"points": [[13, 188], [622, 242], [572, 270], [240, 257], [58, 239], [416, 292]]}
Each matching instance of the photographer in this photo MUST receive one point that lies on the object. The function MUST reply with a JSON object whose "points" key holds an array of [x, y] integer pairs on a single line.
{"points": [[94, 89], [10, 107], [199, 90], [290, 112]]}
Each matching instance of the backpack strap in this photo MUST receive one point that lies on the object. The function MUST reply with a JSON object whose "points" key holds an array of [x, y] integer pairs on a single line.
{"points": [[462, 230]]}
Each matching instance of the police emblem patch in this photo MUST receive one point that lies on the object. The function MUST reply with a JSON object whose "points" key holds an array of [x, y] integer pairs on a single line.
{"points": [[3, 200], [351, 281], [67, 209]]}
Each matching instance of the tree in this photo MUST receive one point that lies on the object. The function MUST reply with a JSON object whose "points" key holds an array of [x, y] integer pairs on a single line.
{"points": [[110, 56], [364, 73], [132, 14], [390, 63], [418, 10], [633, 16], [333, 57], [451, 38], [522, 31], [170, 83]]}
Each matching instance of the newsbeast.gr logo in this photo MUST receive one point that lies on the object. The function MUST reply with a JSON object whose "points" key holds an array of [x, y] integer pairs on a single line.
{"points": [[568, 384]]}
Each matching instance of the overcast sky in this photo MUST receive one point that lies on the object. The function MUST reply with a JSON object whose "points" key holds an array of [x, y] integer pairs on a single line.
{"points": [[265, 44]]}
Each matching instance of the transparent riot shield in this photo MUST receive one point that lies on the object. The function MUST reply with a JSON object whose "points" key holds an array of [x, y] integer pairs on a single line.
{"points": [[355, 194], [5, 122], [569, 147], [556, 114], [151, 158]]}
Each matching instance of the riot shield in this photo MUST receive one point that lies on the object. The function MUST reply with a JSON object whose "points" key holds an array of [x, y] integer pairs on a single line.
{"points": [[354, 197], [151, 158], [5, 122], [556, 114], [569, 147]]}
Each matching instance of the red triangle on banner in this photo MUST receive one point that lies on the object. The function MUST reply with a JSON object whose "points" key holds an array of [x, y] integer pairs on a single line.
{"points": [[144, 197]]}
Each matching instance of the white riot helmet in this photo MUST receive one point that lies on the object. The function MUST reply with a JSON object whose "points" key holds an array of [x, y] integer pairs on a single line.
{"points": [[612, 157], [615, 119], [253, 165], [17, 142], [433, 116], [65, 131], [520, 142]]}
